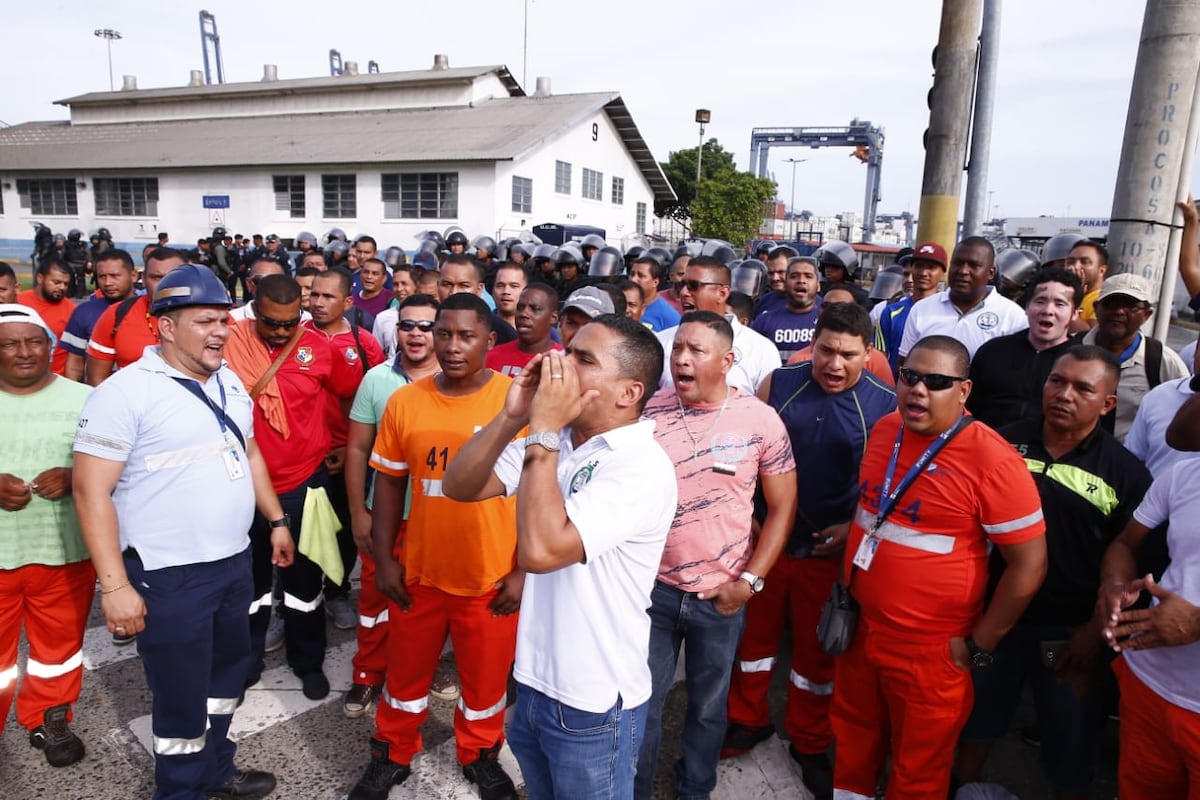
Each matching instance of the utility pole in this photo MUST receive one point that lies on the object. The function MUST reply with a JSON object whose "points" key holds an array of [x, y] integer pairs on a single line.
{"points": [[981, 127], [1151, 177], [949, 118], [792, 204]]}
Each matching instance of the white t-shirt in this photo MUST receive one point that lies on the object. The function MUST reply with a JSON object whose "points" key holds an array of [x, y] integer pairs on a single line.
{"points": [[1147, 437], [1188, 354], [995, 316], [754, 357], [1171, 671], [584, 633]]}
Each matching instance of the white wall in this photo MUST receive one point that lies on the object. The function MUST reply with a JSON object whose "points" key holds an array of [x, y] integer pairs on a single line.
{"points": [[605, 153]]}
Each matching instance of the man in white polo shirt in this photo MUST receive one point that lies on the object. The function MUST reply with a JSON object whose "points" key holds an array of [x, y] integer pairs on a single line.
{"points": [[582, 672], [970, 310]]}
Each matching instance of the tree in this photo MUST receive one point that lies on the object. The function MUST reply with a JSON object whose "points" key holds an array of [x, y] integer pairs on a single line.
{"points": [[680, 170], [731, 206]]}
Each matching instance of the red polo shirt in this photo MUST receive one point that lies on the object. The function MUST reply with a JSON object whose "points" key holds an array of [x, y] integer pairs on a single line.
{"points": [[348, 364]]}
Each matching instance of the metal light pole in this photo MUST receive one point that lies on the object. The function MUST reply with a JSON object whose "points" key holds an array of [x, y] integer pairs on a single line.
{"points": [[792, 204], [525, 50], [703, 116], [108, 34]]}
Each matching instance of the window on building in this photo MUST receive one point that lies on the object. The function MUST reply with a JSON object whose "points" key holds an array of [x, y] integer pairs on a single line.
{"points": [[618, 191], [593, 184], [339, 196], [289, 195], [49, 196], [562, 177], [522, 195], [420, 195], [126, 197], [639, 224]]}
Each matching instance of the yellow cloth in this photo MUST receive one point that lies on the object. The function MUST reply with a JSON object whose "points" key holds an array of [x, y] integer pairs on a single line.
{"points": [[318, 534]]}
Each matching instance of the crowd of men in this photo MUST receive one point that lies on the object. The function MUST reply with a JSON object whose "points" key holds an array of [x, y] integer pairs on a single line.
{"points": [[577, 464]]}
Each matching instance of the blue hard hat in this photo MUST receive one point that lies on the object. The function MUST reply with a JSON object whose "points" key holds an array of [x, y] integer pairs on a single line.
{"points": [[189, 285]]}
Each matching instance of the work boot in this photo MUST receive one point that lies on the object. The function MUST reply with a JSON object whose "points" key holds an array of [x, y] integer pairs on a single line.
{"points": [[741, 739], [246, 784], [54, 738], [486, 773], [381, 775], [817, 773]]}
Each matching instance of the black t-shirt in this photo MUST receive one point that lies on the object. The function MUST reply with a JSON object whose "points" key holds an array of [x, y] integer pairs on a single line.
{"points": [[1007, 377]]}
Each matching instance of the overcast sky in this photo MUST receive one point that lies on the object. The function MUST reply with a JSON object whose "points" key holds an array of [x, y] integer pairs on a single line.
{"points": [[1065, 73]]}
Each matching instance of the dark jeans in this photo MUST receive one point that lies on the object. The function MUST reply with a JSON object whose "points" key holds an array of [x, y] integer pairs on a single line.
{"points": [[710, 641], [569, 754], [1071, 725], [195, 650], [345, 537]]}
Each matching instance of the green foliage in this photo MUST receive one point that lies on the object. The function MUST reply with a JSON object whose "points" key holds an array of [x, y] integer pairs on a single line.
{"points": [[731, 205], [681, 172]]}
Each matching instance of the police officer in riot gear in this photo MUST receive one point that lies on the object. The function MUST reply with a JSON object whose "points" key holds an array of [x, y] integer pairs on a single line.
{"points": [[839, 267]]}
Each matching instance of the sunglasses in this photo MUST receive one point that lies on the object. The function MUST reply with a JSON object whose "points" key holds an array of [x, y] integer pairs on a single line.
{"points": [[410, 325], [276, 323], [695, 286], [934, 381]]}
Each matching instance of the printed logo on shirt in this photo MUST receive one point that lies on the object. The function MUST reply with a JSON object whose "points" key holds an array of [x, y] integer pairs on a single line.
{"points": [[730, 448], [351, 354], [987, 320], [737, 356], [304, 355], [583, 477]]}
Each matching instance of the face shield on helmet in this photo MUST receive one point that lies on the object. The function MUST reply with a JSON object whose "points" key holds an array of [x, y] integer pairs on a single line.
{"points": [[394, 257], [484, 244], [305, 237], [593, 240], [1018, 267], [749, 277], [544, 252], [336, 234], [606, 263], [888, 282], [565, 256], [838, 254]]}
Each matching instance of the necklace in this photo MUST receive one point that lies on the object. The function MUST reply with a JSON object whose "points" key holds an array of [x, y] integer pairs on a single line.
{"points": [[688, 428]]}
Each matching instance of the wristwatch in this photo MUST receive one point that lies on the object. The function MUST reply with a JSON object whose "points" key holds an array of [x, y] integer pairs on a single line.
{"points": [[546, 439], [283, 522], [756, 582], [979, 656]]}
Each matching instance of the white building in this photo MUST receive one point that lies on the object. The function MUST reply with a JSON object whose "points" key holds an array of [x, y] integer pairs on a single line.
{"points": [[388, 154]]}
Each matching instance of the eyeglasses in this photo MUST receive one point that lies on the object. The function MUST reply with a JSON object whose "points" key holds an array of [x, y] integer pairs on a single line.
{"points": [[422, 325], [934, 381], [695, 286], [276, 323]]}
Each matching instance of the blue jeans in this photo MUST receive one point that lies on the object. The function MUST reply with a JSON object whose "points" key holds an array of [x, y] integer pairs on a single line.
{"points": [[710, 639], [572, 754]]}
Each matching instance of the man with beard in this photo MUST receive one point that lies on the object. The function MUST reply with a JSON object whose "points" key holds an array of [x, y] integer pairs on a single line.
{"points": [[48, 297], [790, 326], [510, 282], [114, 280], [970, 310], [415, 360], [1124, 305], [535, 318], [1008, 372]]}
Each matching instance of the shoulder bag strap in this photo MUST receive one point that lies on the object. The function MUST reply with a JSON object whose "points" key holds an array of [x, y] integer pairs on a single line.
{"points": [[277, 363]]}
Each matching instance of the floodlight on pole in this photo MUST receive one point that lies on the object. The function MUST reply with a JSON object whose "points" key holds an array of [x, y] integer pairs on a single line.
{"points": [[792, 204], [703, 116], [108, 34]]}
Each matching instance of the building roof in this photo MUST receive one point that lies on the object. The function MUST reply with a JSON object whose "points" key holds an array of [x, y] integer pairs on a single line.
{"points": [[339, 83], [500, 129]]}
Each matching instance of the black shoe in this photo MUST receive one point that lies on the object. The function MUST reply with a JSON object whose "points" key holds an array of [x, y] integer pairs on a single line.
{"points": [[246, 784], [381, 775], [54, 738], [489, 776], [315, 685], [741, 739], [817, 773]]}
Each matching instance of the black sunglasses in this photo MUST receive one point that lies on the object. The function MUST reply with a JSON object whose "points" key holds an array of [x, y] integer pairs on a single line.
{"points": [[422, 325], [276, 323], [935, 382]]}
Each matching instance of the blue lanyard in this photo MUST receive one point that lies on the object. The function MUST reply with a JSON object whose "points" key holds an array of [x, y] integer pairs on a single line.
{"points": [[223, 419], [1129, 351], [892, 497]]}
